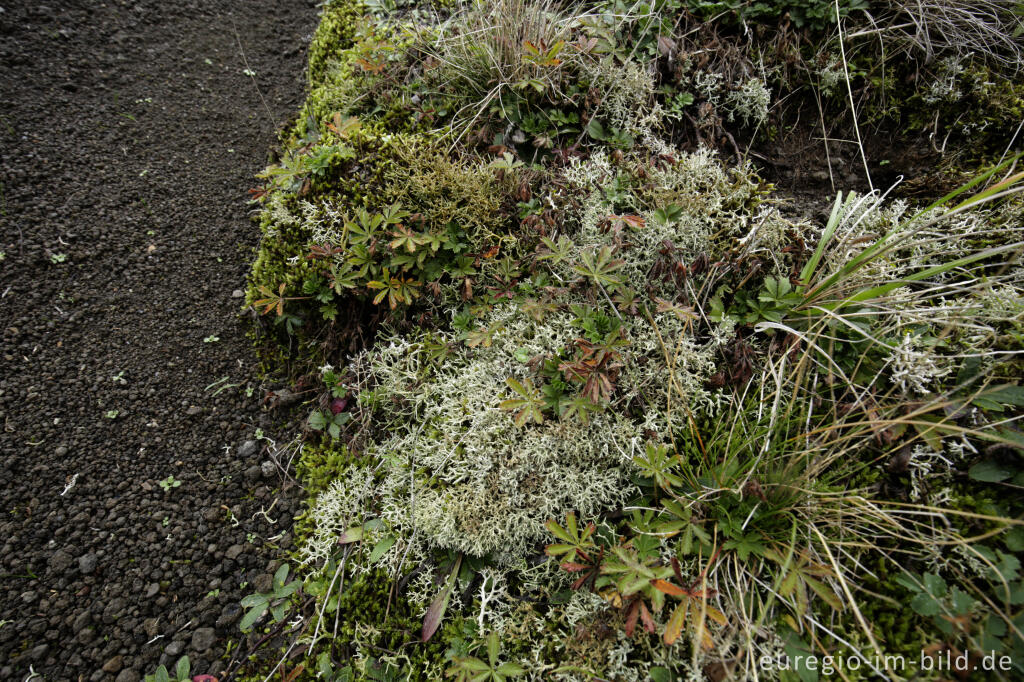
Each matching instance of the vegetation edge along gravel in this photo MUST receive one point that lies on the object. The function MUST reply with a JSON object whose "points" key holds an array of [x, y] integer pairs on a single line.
{"points": [[590, 398]]}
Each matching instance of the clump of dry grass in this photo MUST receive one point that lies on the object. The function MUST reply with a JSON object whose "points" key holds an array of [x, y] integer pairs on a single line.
{"points": [[987, 29], [485, 51]]}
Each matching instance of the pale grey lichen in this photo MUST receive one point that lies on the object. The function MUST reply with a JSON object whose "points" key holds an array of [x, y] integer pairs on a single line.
{"points": [[749, 101], [915, 365], [459, 472]]}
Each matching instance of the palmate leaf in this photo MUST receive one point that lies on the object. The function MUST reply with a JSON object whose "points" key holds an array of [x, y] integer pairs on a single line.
{"points": [[656, 464], [600, 266], [632, 575], [407, 261], [537, 309], [745, 545], [801, 574], [343, 277], [678, 520], [573, 541], [271, 300], [510, 670], [689, 614], [472, 669], [541, 55], [406, 238], [634, 221], [365, 228], [579, 407], [395, 289], [638, 611], [530, 404], [553, 251]]}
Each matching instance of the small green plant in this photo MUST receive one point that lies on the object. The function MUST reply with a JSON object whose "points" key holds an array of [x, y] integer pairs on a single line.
{"points": [[320, 420], [614, 137], [169, 483], [181, 672], [56, 258], [473, 669], [277, 601], [211, 339], [529, 405], [111, 414]]}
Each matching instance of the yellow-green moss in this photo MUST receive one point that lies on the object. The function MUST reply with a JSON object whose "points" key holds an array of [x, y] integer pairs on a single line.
{"points": [[445, 190], [334, 33]]}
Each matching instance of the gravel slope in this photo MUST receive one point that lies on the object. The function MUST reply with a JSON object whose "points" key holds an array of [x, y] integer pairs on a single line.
{"points": [[129, 133]]}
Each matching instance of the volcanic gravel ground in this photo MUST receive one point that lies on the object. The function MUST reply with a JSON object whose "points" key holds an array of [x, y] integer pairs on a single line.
{"points": [[129, 134]]}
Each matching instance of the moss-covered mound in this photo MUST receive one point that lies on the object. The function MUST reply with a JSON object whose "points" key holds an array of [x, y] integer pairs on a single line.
{"points": [[589, 402]]}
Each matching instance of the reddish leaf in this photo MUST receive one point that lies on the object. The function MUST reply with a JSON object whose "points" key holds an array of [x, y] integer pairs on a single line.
{"points": [[370, 66], [432, 620], [677, 570], [645, 618], [579, 583], [353, 534], [669, 588], [631, 617]]}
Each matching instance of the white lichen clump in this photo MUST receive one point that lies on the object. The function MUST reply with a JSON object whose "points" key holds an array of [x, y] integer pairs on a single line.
{"points": [[749, 102], [458, 472], [915, 366]]}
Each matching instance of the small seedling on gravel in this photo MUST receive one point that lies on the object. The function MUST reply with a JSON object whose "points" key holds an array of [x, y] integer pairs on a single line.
{"points": [[58, 258], [111, 414], [211, 339], [324, 419], [168, 483], [250, 538], [166, 522], [277, 601], [181, 672]]}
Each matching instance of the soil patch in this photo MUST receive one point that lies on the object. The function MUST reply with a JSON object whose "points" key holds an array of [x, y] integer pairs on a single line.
{"points": [[129, 132]]}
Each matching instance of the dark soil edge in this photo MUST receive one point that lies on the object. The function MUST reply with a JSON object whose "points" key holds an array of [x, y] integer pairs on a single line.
{"points": [[129, 133]]}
